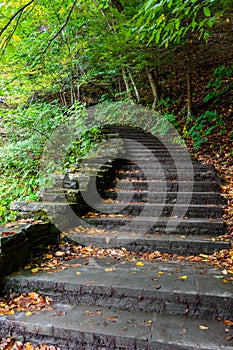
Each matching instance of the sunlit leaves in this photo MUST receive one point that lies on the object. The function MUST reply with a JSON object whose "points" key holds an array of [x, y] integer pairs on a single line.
{"points": [[176, 19], [206, 11]]}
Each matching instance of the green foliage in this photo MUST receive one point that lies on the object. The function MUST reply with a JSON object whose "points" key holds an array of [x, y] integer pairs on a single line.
{"points": [[172, 21], [203, 127], [219, 84], [85, 146], [27, 130]]}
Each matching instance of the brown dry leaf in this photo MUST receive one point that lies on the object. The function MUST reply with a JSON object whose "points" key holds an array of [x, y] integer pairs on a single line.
{"points": [[33, 295], [13, 344], [111, 318], [89, 313], [59, 254], [108, 240], [7, 233], [228, 323]]}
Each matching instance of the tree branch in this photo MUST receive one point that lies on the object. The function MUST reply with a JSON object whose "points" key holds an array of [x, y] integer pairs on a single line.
{"points": [[15, 15], [62, 27], [5, 44], [117, 4], [104, 15]]}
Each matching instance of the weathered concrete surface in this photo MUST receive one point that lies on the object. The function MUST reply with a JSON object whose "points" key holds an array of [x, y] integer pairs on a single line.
{"points": [[98, 328], [153, 287]]}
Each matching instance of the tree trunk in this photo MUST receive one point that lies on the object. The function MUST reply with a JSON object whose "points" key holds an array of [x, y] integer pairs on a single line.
{"points": [[154, 83], [189, 83], [134, 86], [125, 78], [189, 93]]}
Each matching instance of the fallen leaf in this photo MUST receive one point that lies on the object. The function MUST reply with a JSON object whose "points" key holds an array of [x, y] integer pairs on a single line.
{"points": [[111, 318], [109, 269], [204, 256], [229, 337], [89, 313], [157, 287], [183, 277], [203, 328], [140, 263], [59, 254], [33, 295]]}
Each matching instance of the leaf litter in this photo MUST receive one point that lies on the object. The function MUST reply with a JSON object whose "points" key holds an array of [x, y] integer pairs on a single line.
{"points": [[28, 303], [11, 343]]}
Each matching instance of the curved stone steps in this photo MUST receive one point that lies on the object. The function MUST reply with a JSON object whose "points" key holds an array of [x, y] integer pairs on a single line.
{"points": [[164, 210], [171, 197], [187, 226]]}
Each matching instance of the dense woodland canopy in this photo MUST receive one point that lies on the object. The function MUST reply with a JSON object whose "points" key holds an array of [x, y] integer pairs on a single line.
{"points": [[174, 56]]}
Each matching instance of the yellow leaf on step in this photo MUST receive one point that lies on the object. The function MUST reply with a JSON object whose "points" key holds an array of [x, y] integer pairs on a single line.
{"points": [[204, 256], [140, 263], [184, 277]]}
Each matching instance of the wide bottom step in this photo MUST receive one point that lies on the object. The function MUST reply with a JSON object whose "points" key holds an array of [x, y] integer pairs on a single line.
{"points": [[99, 328]]}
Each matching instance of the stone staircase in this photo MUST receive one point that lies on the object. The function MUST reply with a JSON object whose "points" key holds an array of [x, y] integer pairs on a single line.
{"points": [[153, 203], [149, 198]]}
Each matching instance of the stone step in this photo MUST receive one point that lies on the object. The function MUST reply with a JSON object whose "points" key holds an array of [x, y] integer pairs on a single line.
{"points": [[171, 197], [81, 327], [154, 287], [137, 147], [165, 210], [190, 226], [129, 166], [165, 243], [199, 198], [169, 186], [138, 156], [168, 173], [59, 194]]}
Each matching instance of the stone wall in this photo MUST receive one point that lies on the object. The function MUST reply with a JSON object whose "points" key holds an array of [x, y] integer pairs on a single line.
{"points": [[26, 241]]}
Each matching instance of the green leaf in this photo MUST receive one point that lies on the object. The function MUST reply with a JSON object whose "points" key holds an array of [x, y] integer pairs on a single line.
{"points": [[206, 11]]}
